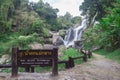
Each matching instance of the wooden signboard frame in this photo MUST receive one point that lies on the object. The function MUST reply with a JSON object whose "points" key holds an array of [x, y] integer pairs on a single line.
{"points": [[32, 58]]}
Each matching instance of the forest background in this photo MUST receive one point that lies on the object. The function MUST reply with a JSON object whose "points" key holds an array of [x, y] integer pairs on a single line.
{"points": [[23, 23]]}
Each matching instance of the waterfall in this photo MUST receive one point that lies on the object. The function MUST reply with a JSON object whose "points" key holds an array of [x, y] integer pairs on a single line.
{"points": [[74, 34]]}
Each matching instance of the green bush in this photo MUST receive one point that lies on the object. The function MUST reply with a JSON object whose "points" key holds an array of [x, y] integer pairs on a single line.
{"points": [[18, 40], [46, 32], [70, 53]]}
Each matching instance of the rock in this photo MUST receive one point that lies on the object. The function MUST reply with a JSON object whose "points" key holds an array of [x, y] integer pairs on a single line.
{"points": [[5, 58], [40, 46], [78, 44], [70, 35], [48, 46], [36, 46], [59, 41], [55, 37]]}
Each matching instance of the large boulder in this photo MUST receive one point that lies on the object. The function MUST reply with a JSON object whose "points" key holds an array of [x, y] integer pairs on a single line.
{"points": [[55, 37], [59, 41], [40, 46], [5, 59]]}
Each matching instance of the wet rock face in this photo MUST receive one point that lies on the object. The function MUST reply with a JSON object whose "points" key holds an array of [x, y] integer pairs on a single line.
{"points": [[70, 35], [59, 41], [75, 34]]}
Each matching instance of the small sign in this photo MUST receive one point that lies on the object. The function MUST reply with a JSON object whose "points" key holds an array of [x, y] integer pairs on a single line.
{"points": [[41, 58]]}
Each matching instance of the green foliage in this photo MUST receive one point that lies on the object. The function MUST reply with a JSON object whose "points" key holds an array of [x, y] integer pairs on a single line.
{"points": [[90, 38], [76, 20], [115, 55], [70, 53], [102, 52], [6, 12], [3, 49], [15, 39], [23, 41], [46, 32], [62, 33], [17, 3], [68, 21], [45, 11], [106, 34], [37, 26], [110, 26], [90, 7], [22, 24]]}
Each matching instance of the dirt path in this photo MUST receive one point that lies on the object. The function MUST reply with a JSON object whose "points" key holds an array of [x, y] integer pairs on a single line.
{"points": [[98, 68]]}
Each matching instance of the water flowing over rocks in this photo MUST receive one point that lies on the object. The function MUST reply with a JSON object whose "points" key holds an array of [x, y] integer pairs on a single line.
{"points": [[74, 34], [70, 35]]}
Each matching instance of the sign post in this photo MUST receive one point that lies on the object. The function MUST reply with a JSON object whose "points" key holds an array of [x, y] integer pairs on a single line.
{"points": [[55, 63], [31, 58], [14, 62]]}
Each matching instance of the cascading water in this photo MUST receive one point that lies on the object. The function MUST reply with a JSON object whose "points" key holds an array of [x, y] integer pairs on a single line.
{"points": [[74, 34]]}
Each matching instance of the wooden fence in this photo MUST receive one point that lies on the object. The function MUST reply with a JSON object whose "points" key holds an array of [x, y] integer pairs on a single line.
{"points": [[68, 63], [71, 63], [5, 65]]}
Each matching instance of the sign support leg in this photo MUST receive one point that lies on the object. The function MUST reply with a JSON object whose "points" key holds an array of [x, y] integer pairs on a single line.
{"points": [[14, 62], [55, 62]]}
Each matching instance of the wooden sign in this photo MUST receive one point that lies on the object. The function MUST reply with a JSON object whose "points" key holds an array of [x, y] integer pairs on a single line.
{"points": [[41, 58], [32, 58]]}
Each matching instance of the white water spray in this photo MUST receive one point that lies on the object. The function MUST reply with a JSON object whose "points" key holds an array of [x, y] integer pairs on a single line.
{"points": [[75, 34]]}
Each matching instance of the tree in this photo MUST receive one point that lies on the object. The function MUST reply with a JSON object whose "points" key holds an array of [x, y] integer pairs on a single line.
{"points": [[6, 12], [76, 20], [107, 32], [91, 7], [110, 26], [45, 11]]}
